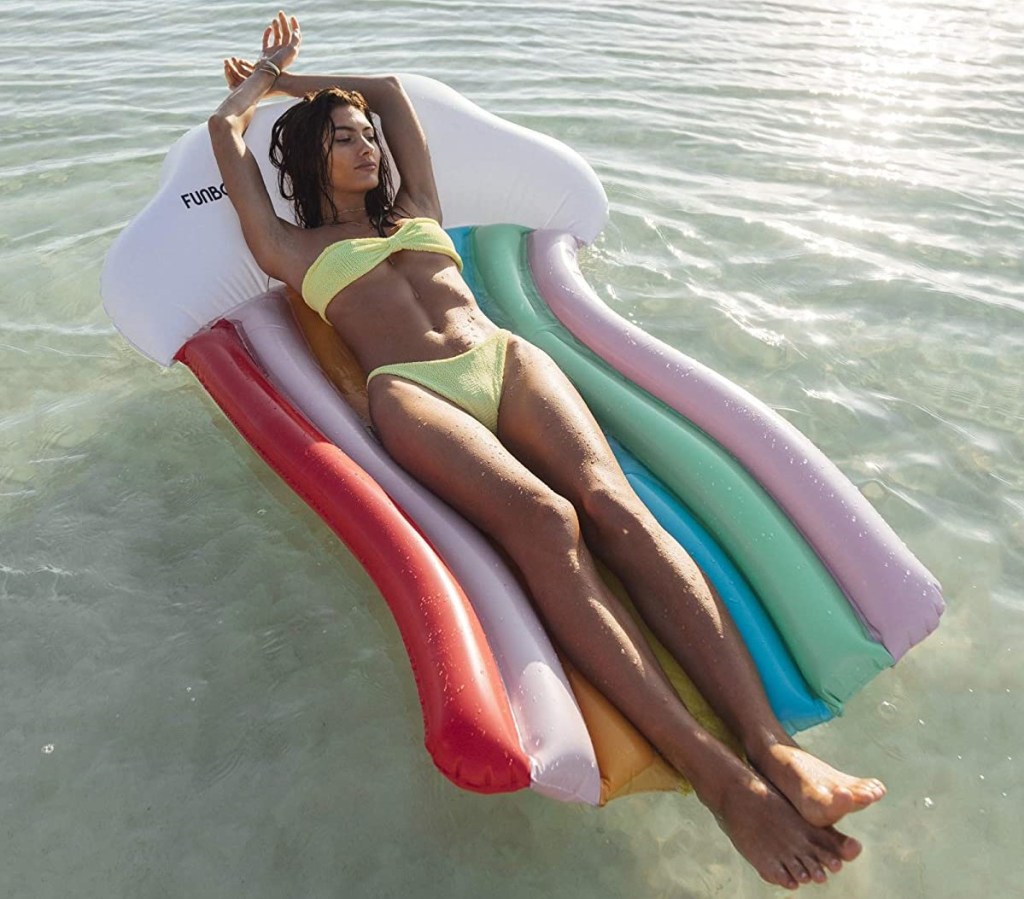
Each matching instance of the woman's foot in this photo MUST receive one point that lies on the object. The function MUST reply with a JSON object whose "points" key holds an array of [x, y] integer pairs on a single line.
{"points": [[820, 793], [768, 832]]}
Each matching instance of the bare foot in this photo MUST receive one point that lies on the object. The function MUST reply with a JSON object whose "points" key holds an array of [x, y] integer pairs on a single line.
{"points": [[817, 790], [768, 832]]}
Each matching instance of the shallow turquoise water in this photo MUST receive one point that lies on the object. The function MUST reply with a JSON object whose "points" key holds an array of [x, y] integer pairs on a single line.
{"points": [[203, 693]]}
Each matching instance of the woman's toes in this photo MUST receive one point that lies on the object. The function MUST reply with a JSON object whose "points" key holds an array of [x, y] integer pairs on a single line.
{"points": [[798, 871], [816, 871], [832, 848], [830, 860], [849, 849], [781, 877], [876, 788]]}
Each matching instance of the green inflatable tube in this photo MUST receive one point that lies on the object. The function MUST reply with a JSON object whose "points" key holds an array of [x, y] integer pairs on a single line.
{"points": [[827, 641]]}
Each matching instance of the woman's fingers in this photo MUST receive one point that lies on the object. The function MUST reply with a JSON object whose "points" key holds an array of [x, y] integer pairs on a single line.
{"points": [[237, 70], [289, 29], [231, 73], [282, 39]]}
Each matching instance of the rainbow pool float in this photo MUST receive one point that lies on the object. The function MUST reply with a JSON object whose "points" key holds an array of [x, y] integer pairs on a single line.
{"points": [[824, 594]]}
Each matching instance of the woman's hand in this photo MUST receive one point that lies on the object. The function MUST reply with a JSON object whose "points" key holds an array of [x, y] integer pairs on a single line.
{"points": [[237, 70], [281, 41]]}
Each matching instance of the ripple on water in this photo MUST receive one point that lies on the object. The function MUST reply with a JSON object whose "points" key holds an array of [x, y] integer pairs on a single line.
{"points": [[822, 201]]}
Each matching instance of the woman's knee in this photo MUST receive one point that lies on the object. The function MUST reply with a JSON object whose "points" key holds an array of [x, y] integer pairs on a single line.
{"points": [[546, 525], [613, 512]]}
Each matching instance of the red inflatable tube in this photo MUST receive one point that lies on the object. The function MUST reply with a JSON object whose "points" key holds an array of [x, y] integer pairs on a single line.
{"points": [[469, 731]]}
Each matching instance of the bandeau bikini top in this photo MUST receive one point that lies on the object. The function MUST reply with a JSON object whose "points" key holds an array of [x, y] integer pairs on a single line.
{"points": [[346, 261]]}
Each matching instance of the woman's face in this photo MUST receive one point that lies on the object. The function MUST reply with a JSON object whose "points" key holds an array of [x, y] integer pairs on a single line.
{"points": [[354, 154]]}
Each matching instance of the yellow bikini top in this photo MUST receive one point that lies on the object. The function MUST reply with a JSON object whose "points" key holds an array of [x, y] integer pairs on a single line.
{"points": [[346, 261]]}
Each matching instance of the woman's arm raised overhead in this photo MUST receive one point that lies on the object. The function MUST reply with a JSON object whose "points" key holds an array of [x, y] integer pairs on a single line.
{"points": [[274, 242], [405, 138]]}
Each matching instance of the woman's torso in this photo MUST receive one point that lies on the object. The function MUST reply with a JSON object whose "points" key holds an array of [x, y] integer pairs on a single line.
{"points": [[412, 307]]}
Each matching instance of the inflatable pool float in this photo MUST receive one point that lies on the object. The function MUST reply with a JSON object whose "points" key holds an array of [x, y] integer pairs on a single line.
{"points": [[824, 594]]}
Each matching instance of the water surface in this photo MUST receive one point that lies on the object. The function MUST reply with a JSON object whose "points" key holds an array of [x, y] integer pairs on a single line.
{"points": [[203, 693]]}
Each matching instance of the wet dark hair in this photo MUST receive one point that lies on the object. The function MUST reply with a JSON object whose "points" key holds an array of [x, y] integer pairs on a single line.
{"points": [[300, 145]]}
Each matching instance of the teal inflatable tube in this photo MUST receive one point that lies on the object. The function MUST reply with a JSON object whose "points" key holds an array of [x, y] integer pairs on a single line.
{"points": [[787, 691], [824, 636], [790, 697]]}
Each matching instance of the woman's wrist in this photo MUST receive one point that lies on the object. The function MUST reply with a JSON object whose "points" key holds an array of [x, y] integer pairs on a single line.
{"points": [[269, 66]]}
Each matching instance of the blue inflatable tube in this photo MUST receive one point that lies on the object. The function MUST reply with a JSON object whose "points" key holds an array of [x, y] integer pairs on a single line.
{"points": [[790, 697]]}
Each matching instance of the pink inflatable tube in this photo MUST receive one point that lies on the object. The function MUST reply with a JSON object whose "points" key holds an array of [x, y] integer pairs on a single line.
{"points": [[468, 726], [895, 595]]}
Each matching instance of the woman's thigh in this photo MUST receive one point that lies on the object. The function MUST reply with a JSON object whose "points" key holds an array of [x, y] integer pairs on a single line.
{"points": [[458, 459], [545, 423]]}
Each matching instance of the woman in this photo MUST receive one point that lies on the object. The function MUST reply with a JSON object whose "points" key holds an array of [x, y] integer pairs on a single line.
{"points": [[490, 424]]}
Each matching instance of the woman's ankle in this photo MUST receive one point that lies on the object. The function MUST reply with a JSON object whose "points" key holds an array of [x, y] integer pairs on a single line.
{"points": [[759, 742], [716, 773]]}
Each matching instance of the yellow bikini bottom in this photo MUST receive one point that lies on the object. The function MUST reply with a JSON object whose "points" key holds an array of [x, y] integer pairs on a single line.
{"points": [[472, 380]]}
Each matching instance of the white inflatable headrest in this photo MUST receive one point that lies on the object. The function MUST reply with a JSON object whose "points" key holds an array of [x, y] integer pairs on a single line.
{"points": [[182, 263]]}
